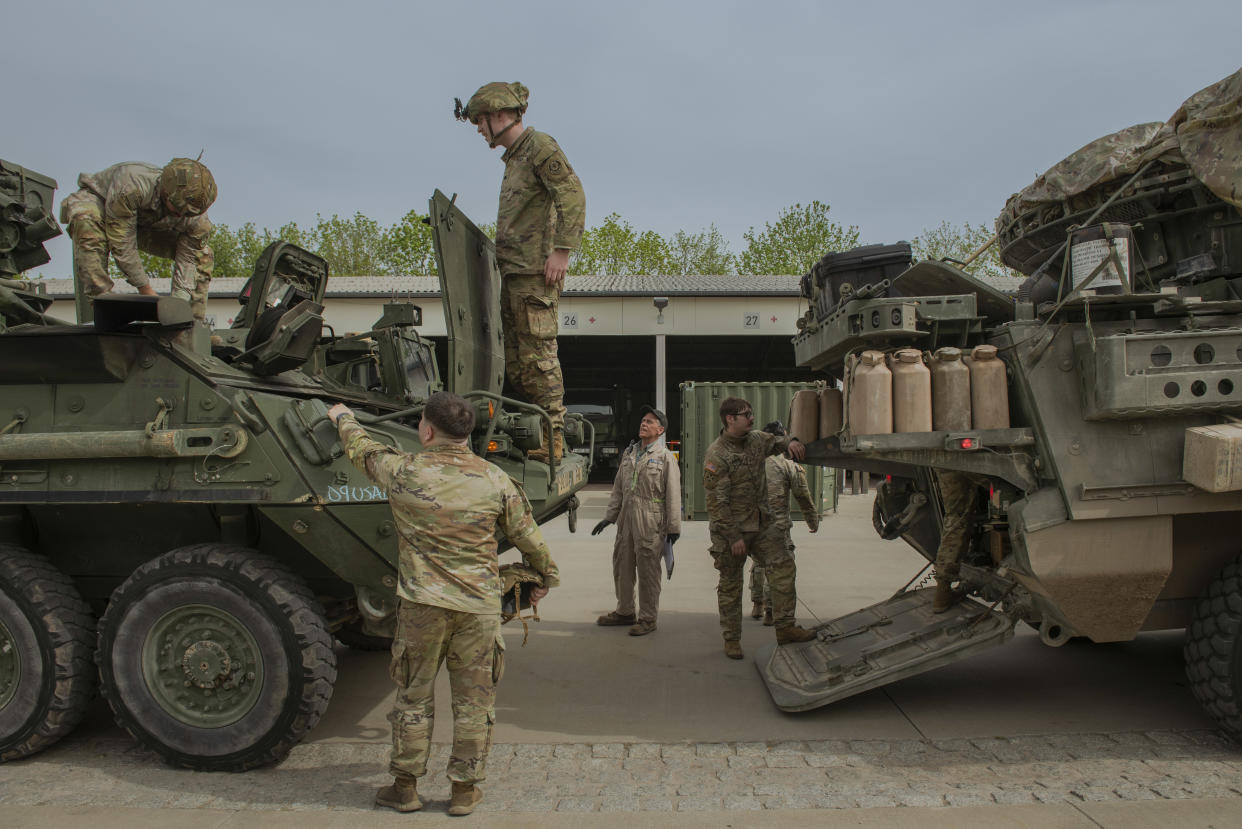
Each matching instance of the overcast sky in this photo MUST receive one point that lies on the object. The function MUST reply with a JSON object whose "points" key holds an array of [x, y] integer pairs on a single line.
{"points": [[676, 115]]}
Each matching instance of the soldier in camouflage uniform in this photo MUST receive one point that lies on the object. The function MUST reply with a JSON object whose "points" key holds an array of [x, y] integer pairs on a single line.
{"points": [[735, 487], [959, 495], [134, 207], [646, 507], [784, 478], [541, 217], [447, 504]]}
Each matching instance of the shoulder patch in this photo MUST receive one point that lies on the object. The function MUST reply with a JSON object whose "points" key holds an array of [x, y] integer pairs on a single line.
{"points": [[709, 466]]}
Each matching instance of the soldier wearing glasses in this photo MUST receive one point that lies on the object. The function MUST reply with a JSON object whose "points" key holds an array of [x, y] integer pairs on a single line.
{"points": [[734, 483]]}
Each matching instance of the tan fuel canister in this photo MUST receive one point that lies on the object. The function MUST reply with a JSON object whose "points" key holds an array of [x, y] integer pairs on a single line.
{"points": [[950, 391], [912, 397], [871, 396], [804, 415], [831, 412], [989, 389]]}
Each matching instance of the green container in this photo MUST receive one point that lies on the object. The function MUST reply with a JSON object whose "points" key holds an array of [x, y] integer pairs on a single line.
{"points": [[700, 425]]}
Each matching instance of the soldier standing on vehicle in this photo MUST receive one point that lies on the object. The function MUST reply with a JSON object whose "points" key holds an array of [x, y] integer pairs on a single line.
{"points": [[541, 217], [783, 478], [734, 484], [646, 507], [447, 503], [134, 207]]}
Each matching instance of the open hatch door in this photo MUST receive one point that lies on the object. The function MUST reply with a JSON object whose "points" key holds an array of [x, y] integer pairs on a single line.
{"points": [[284, 274], [470, 286], [891, 640]]}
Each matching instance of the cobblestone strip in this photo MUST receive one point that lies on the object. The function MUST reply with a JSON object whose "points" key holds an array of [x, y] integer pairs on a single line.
{"points": [[617, 777]]}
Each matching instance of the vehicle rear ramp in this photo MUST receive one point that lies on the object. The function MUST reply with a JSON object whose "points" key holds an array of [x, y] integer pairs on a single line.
{"points": [[891, 640]]}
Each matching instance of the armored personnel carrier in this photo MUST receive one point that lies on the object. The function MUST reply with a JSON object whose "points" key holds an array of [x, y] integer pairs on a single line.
{"points": [[1112, 501], [178, 524]]}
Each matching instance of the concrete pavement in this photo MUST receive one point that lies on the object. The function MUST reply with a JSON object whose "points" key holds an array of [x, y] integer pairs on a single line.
{"points": [[593, 720]]}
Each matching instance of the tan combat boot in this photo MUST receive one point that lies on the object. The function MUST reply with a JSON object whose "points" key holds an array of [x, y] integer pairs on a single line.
{"points": [[465, 797], [756, 610], [402, 795], [792, 633], [733, 649], [945, 596], [768, 621]]}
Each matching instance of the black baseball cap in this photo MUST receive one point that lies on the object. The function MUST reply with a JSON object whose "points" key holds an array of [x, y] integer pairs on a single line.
{"points": [[659, 415]]}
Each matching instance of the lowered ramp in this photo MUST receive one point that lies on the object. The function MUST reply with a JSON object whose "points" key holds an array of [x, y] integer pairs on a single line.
{"points": [[888, 641]]}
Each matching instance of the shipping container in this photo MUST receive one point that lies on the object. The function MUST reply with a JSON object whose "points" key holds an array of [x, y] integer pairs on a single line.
{"points": [[700, 425]]}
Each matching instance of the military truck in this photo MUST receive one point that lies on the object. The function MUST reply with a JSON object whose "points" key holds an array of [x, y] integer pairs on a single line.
{"points": [[1112, 504], [609, 411], [178, 524]]}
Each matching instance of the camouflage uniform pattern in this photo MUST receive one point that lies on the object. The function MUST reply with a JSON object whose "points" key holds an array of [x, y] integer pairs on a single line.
{"points": [[783, 477], [119, 211], [542, 206], [447, 504], [735, 489], [469, 644], [529, 319], [958, 494], [646, 506]]}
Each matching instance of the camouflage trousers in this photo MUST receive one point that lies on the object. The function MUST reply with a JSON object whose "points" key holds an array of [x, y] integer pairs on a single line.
{"points": [[83, 213], [529, 310], [634, 560], [760, 587], [767, 548], [958, 495], [471, 645]]}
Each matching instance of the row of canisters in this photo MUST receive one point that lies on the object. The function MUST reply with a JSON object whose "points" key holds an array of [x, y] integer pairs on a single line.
{"points": [[908, 390]]}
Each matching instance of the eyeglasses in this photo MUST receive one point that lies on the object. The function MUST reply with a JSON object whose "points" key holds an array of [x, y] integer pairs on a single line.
{"points": [[748, 413]]}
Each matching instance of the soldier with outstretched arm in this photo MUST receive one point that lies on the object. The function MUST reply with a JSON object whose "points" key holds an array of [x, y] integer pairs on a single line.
{"points": [[447, 503], [733, 481]]}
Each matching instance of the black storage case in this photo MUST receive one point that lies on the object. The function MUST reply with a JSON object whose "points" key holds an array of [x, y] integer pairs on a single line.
{"points": [[867, 265]]}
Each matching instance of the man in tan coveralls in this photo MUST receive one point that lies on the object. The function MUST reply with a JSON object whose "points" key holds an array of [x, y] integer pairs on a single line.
{"points": [[784, 478], [646, 507], [134, 207], [447, 503], [735, 489], [541, 217]]}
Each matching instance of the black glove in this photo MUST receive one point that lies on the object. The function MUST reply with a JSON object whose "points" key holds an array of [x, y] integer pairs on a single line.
{"points": [[599, 528], [672, 537]]}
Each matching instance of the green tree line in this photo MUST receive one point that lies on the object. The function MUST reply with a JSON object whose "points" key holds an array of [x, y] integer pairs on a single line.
{"points": [[790, 244]]}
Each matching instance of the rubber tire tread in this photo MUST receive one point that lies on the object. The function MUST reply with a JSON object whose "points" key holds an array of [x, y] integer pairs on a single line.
{"points": [[68, 632], [297, 604], [1213, 650]]}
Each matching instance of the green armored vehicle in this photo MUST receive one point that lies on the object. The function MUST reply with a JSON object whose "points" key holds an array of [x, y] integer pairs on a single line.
{"points": [[178, 524], [1111, 503]]}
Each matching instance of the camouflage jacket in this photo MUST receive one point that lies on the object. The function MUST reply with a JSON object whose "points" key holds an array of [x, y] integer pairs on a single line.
{"points": [[786, 477], [542, 205], [733, 482], [447, 503], [131, 202]]}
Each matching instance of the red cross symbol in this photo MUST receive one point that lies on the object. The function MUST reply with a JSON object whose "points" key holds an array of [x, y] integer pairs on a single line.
{"points": [[773, 319], [591, 320]]}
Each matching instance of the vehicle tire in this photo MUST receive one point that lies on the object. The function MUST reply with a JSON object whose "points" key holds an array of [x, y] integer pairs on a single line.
{"points": [[1213, 650], [47, 638], [216, 657]]}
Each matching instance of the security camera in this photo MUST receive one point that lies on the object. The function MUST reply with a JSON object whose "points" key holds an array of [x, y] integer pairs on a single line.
{"points": [[660, 302]]}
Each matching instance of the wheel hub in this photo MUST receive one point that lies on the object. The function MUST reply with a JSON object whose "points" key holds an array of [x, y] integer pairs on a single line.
{"points": [[206, 663], [202, 666], [10, 666]]}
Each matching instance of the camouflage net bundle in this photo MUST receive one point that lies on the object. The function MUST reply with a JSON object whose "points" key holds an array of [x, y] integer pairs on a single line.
{"points": [[1190, 166]]}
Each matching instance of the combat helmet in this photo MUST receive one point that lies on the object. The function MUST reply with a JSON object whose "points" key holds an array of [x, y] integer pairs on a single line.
{"points": [[493, 97], [188, 186]]}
